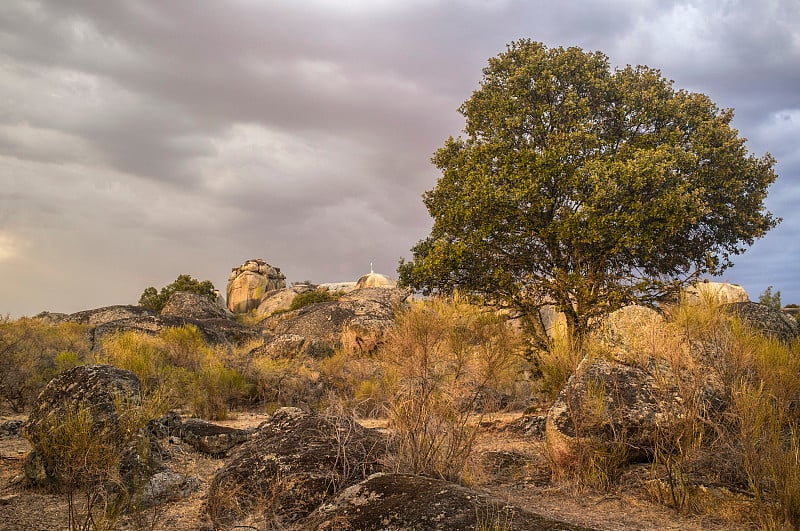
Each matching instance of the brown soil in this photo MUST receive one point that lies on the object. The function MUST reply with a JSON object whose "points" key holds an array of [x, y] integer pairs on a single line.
{"points": [[515, 470]]}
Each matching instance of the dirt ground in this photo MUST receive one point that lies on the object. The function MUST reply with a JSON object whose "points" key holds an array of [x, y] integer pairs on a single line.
{"points": [[523, 480]]}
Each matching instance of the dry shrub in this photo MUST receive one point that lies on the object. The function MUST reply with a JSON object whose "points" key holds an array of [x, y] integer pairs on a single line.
{"points": [[86, 460], [32, 352], [181, 367], [440, 357], [559, 362], [280, 381]]}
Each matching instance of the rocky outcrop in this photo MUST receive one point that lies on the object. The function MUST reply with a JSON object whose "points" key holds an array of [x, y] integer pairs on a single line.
{"points": [[719, 292], [295, 462], [11, 429], [770, 322], [280, 300], [375, 280], [96, 388], [402, 501], [192, 306], [249, 282], [365, 312], [209, 438], [119, 319]]}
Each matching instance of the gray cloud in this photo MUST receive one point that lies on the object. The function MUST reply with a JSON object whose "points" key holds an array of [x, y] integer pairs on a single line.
{"points": [[141, 140]]}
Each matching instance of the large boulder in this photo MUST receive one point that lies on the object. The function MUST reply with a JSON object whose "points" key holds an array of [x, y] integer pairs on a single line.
{"points": [[375, 280], [402, 501], [119, 319], [99, 389], [771, 322], [192, 306], [295, 462], [280, 300], [249, 282], [366, 313], [210, 438], [719, 292]]}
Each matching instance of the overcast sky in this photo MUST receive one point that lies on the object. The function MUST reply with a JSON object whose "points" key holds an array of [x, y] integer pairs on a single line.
{"points": [[141, 140]]}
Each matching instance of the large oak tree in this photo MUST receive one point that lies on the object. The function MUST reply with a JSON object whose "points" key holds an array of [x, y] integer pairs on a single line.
{"points": [[587, 188]]}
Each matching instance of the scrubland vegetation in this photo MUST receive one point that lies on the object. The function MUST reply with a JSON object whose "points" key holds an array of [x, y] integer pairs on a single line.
{"points": [[447, 362]]}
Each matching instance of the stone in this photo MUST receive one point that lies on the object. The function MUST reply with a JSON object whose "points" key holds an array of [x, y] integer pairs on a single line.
{"points": [[295, 462], [192, 306], [770, 322], [532, 426], [166, 486], [365, 313], [249, 282], [210, 438], [719, 292], [403, 502], [375, 280], [11, 429], [280, 300], [165, 425], [98, 388]]}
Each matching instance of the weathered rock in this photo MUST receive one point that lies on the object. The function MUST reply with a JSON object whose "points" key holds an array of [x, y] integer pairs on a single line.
{"points": [[97, 388], [529, 425], [119, 319], [166, 486], [11, 429], [280, 300], [771, 322], [375, 280], [295, 462], [622, 329], [249, 282], [192, 306], [365, 312], [165, 425], [720, 292], [404, 502], [211, 439]]}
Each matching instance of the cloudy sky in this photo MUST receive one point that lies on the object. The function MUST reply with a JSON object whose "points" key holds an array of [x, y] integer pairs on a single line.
{"points": [[141, 140]]}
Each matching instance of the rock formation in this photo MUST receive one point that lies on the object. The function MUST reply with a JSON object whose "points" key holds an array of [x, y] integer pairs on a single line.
{"points": [[249, 282], [402, 501], [192, 306], [721, 292], [97, 388], [375, 280], [209, 438], [771, 322], [280, 300], [296, 461]]}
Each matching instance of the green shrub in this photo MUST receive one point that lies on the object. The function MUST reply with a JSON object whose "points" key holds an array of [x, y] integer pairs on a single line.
{"points": [[155, 300], [313, 297]]}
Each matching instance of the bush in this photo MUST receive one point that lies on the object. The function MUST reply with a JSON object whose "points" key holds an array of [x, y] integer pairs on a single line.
{"points": [[32, 352], [155, 300], [86, 461], [178, 365], [313, 297], [439, 359]]}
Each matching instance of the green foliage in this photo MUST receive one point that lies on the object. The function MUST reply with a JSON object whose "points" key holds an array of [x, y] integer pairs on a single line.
{"points": [[769, 299], [32, 352], [586, 188], [155, 300], [313, 297]]}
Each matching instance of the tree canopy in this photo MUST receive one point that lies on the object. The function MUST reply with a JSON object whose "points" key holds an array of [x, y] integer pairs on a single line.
{"points": [[154, 300], [587, 188]]}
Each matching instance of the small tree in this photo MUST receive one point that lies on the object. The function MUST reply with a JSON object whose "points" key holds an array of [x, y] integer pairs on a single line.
{"points": [[768, 299], [153, 300], [586, 188]]}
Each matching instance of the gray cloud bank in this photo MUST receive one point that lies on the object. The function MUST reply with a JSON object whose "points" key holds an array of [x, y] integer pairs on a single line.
{"points": [[141, 140]]}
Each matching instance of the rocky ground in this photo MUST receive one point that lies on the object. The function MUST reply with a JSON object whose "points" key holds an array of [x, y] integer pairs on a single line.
{"points": [[514, 470]]}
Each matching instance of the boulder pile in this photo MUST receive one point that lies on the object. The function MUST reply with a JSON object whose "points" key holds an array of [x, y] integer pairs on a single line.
{"points": [[249, 282]]}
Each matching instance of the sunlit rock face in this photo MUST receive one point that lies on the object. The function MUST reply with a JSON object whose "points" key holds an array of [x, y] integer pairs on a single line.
{"points": [[719, 292], [249, 282], [375, 280]]}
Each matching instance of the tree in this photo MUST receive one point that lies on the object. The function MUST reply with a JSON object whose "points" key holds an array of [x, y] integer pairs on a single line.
{"points": [[769, 299], [586, 188], [154, 300]]}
